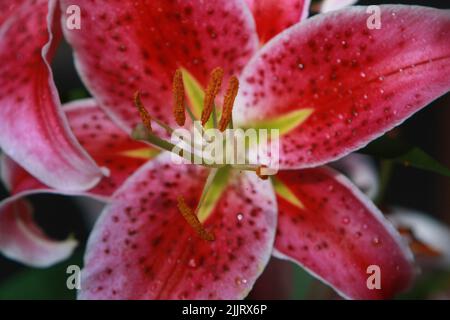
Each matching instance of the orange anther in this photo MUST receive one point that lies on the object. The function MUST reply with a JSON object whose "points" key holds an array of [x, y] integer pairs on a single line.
{"points": [[178, 97], [228, 102], [145, 116], [214, 84], [193, 221]]}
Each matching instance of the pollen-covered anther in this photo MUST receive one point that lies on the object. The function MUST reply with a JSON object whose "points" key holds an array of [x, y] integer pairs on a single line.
{"points": [[213, 88], [228, 103], [178, 98], [145, 116], [193, 220]]}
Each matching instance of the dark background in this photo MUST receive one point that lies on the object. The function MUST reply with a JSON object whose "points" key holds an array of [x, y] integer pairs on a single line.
{"points": [[60, 216]]}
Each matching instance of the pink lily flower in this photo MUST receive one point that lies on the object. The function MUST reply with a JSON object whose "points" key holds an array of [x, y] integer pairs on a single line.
{"points": [[344, 85]]}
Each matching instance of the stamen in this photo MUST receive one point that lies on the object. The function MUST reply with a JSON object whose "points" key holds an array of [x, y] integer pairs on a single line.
{"points": [[145, 116], [417, 246], [178, 97], [212, 90], [259, 173], [193, 221], [228, 102]]}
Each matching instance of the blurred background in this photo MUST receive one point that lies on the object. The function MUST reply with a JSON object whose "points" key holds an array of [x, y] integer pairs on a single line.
{"points": [[405, 186]]}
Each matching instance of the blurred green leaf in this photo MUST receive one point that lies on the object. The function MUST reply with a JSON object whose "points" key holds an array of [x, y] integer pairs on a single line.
{"points": [[427, 285], [77, 94], [302, 283], [40, 284], [401, 152]]}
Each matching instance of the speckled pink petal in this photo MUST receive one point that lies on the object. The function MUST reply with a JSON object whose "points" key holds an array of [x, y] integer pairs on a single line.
{"points": [[338, 234], [33, 129], [142, 248], [23, 241], [110, 147], [20, 239], [7, 8], [16, 179], [273, 16], [358, 82], [125, 46]]}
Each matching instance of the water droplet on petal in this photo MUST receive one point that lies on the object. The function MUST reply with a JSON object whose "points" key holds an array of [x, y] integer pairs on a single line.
{"points": [[346, 220], [155, 285], [240, 216], [362, 74], [192, 263], [376, 241]]}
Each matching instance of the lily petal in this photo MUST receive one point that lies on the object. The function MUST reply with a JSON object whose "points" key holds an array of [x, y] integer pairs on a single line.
{"points": [[332, 5], [6, 9], [125, 46], [430, 232], [33, 129], [273, 16], [142, 248], [362, 171], [110, 147], [336, 233], [23, 241], [355, 83]]}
